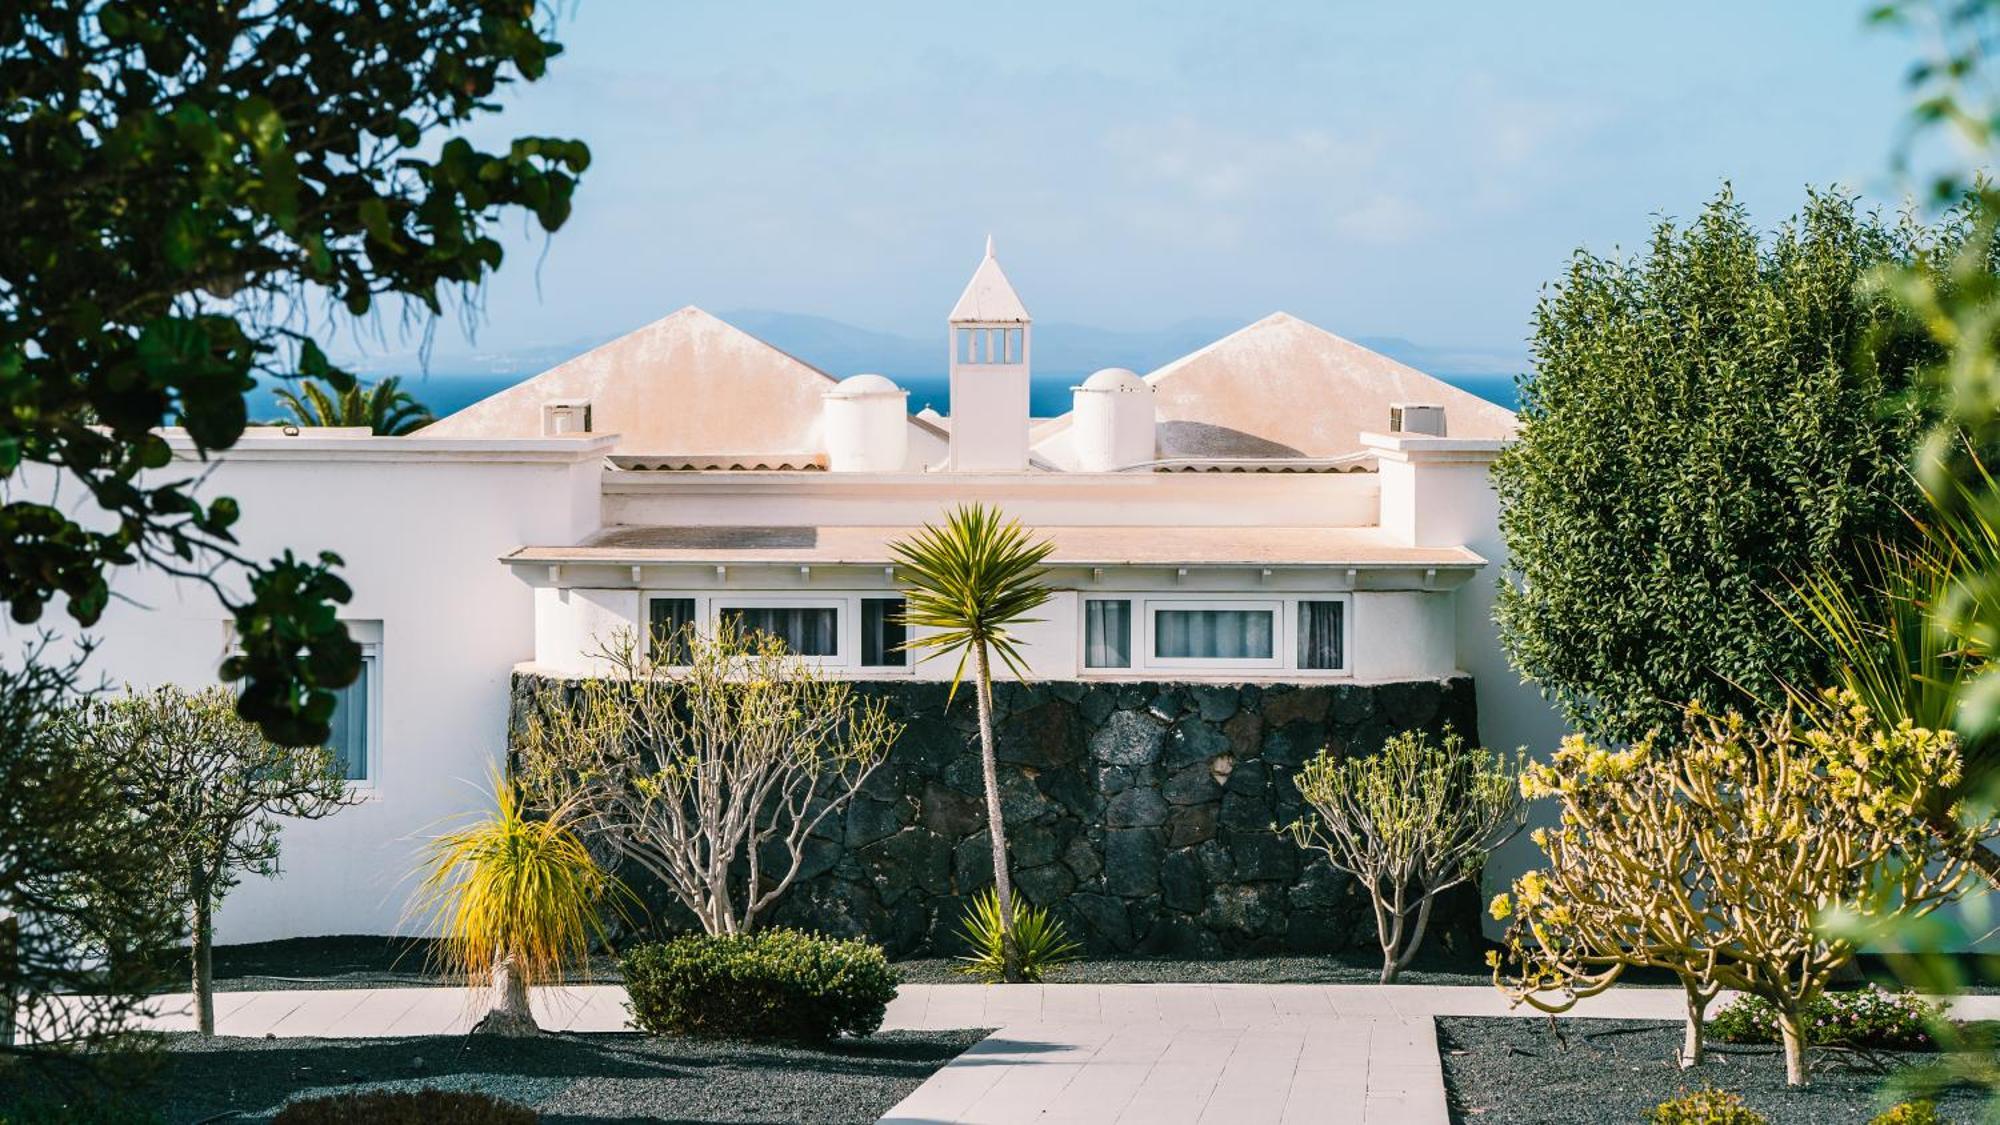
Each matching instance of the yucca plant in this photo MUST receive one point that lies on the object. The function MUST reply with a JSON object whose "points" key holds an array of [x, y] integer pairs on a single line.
{"points": [[517, 901], [1891, 635], [1041, 941], [972, 583], [385, 407]]}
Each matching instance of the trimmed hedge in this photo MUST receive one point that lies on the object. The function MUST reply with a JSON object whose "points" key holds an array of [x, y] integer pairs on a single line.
{"points": [[422, 1107], [1866, 1017], [771, 984]]}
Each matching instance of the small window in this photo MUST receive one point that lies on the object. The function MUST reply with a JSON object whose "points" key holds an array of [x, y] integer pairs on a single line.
{"points": [[806, 630], [1107, 633], [352, 740], [883, 633], [670, 620], [1212, 634], [1321, 635]]}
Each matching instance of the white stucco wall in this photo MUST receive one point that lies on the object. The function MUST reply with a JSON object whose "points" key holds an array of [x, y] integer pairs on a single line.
{"points": [[420, 535]]}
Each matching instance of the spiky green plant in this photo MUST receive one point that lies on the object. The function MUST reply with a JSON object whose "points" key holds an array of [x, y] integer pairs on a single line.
{"points": [[384, 407], [971, 584], [1890, 637], [517, 900], [1042, 940]]}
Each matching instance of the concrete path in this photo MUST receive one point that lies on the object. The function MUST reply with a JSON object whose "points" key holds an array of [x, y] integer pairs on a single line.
{"points": [[1233, 1053]]}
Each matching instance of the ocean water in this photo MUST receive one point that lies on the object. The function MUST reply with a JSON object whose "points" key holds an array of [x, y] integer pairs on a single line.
{"points": [[1048, 394]]}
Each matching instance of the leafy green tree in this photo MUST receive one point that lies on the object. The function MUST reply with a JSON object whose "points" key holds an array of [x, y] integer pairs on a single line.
{"points": [[209, 788], [1705, 423], [384, 407], [182, 183], [80, 918], [971, 583]]}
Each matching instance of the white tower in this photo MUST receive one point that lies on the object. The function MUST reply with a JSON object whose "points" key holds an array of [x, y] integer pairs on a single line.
{"points": [[989, 374]]}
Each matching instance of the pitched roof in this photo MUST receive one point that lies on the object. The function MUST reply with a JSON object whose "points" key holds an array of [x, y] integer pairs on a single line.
{"points": [[1284, 388], [989, 298], [688, 384]]}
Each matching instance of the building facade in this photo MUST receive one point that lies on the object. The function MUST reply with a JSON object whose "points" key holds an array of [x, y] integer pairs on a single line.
{"points": [[1282, 526]]}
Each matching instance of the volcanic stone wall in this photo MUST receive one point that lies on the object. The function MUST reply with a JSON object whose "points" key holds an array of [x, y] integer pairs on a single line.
{"points": [[1143, 814]]}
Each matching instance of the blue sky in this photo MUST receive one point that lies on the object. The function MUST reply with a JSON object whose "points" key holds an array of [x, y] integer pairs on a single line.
{"points": [[1381, 169]]}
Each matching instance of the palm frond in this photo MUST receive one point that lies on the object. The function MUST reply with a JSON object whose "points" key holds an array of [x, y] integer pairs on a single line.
{"points": [[972, 583], [385, 408]]}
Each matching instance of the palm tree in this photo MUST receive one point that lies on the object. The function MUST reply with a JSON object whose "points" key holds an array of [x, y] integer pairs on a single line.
{"points": [[971, 583], [517, 900], [384, 407]]}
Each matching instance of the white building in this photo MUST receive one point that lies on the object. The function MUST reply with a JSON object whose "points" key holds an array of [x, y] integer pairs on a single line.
{"points": [[1281, 506]]}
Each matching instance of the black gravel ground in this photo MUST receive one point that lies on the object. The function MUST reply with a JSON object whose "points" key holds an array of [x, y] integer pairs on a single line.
{"points": [[1507, 1070], [570, 1079]]}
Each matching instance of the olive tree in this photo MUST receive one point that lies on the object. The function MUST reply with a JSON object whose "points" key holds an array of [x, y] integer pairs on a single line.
{"points": [[1718, 860], [710, 777], [1410, 822], [210, 789], [1706, 422]]}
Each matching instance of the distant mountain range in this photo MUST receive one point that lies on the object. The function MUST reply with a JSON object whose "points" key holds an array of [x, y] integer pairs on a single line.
{"points": [[1063, 353]]}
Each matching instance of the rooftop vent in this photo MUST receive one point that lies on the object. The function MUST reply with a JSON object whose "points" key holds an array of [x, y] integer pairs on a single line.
{"points": [[1416, 418], [565, 416]]}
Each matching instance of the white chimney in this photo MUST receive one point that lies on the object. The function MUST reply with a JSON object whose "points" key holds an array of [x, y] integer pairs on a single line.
{"points": [[1416, 418], [990, 332], [1112, 426], [565, 416], [867, 425]]}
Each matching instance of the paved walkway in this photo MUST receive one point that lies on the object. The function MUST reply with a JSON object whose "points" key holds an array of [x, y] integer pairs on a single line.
{"points": [[1233, 1053]]}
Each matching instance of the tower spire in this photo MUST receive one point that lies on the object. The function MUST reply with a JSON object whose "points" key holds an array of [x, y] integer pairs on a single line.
{"points": [[989, 245]]}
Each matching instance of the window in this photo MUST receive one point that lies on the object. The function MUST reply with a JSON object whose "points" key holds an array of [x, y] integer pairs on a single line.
{"points": [[883, 633], [668, 621], [1107, 633], [1321, 635], [807, 630], [1212, 633]]}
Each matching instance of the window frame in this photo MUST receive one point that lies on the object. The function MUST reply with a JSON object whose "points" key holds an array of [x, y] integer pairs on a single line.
{"points": [[709, 605], [1284, 635], [1132, 653]]}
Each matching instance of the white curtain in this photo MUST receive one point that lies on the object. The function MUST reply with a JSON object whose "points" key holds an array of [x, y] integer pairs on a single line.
{"points": [[1212, 634], [1107, 633], [806, 630], [1320, 634], [349, 740]]}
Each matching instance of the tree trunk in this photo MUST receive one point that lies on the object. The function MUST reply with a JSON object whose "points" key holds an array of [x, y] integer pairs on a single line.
{"points": [[1983, 858], [510, 1014], [10, 948], [1792, 1034], [1407, 944], [201, 939], [1693, 1040], [1003, 883]]}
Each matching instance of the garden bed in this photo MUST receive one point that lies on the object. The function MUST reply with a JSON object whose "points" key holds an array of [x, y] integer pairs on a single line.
{"points": [[571, 1079], [1510, 1069]]}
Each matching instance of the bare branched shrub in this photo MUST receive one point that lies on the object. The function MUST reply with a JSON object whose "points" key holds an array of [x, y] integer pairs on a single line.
{"points": [[1718, 860], [710, 777], [1409, 822]]}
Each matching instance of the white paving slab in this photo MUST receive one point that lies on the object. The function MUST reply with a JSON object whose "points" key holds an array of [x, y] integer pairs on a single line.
{"points": [[1142, 1053]]}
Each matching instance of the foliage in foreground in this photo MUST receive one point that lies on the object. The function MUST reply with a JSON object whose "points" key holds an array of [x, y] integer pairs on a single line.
{"points": [[1409, 822], [772, 984], [1705, 422], [517, 901], [210, 789], [971, 584], [709, 777], [1040, 939], [385, 407], [428, 1106], [1705, 1107], [1870, 1017], [1922, 1112], [1716, 861], [78, 885], [186, 185]]}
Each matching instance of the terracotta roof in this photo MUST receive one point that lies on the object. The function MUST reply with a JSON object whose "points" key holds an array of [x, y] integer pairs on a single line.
{"points": [[1284, 388], [1074, 546]]}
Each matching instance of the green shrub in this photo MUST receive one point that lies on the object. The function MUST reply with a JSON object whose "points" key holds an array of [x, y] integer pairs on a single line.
{"points": [[88, 1111], [1870, 1017], [1706, 1107], [1043, 941], [772, 984], [1909, 1113], [421, 1107]]}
